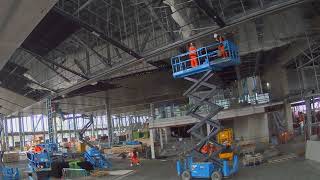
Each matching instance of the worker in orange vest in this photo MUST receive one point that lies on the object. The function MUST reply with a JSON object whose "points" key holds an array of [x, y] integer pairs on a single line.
{"points": [[208, 148], [134, 158], [222, 51], [37, 149], [193, 55]]}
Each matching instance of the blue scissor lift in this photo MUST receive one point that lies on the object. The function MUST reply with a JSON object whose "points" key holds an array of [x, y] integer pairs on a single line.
{"points": [[209, 61]]}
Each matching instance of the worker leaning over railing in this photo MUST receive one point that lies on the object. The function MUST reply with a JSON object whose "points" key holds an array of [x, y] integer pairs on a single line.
{"points": [[222, 52]]}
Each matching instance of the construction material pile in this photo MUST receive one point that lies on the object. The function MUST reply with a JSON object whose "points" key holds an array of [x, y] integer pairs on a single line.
{"points": [[9, 157], [123, 149]]}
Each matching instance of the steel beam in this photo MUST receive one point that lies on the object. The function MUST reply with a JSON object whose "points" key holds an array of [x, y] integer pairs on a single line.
{"points": [[161, 50], [53, 69], [132, 62], [88, 62], [104, 60], [99, 34], [117, 52], [205, 7], [80, 66], [40, 58], [155, 16], [83, 6]]}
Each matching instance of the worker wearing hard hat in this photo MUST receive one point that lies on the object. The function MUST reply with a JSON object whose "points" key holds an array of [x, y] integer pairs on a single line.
{"points": [[193, 54], [222, 52]]}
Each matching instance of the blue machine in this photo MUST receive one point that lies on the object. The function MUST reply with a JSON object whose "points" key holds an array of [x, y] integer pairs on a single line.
{"points": [[96, 158], [188, 169], [208, 59], [9, 173], [49, 147], [93, 154], [39, 161]]}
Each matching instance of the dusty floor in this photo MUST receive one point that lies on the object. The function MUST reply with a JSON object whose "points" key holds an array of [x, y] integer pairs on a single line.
{"points": [[295, 169]]}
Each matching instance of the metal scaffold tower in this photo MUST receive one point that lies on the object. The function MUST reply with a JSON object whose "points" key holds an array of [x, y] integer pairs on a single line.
{"points": [[50, 120], [207, 120]]}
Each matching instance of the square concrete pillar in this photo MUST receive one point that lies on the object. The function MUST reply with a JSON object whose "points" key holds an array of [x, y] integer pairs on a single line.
{"points": [[152, 134], [161, 138]]}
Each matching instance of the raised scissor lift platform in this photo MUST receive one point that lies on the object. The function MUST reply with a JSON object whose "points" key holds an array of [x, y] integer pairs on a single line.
{"points": [[208, 59]]}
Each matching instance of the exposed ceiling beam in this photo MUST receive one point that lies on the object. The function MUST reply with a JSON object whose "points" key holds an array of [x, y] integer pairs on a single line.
{"points": [[103, 60], [155, 16], [100, 34], [53, 69], [133, 62], [205, 7], [40, 58], [80, 66], [83, 6]]}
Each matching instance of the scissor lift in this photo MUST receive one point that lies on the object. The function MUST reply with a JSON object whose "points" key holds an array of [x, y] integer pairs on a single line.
{"points": [[209, 60]]}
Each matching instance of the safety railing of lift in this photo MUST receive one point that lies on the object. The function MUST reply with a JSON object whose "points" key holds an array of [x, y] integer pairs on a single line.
{"points": [[207, 58]]}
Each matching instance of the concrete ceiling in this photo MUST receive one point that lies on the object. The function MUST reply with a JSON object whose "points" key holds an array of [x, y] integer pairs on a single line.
{"points": [[17, 20], [133, 94], [252, 36], [11, 102]]}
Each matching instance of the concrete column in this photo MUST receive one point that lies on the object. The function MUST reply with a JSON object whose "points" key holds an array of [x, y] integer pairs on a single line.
{"points": [[12, 137], [166, 135], [69, 125], [61, 129], [3, 144], [20, 132], [92, 126], [161, 138], [288, 116], [6, 132], [153, 155], [309, 119], [109, 119]]}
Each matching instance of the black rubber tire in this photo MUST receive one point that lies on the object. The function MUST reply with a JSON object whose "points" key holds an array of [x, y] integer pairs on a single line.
{"points": [[216, 175], [186, 175]]}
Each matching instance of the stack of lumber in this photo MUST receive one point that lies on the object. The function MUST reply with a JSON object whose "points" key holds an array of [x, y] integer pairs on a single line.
{"points": [[123, 149], [9, 157], [99, 173]]}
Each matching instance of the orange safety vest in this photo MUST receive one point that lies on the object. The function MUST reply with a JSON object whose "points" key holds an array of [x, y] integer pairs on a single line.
{"points": [[221, 48], [193, 56], [37, 149]]}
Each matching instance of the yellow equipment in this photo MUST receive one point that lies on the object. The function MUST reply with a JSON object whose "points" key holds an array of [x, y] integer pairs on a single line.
{"points": [[225, 137]]}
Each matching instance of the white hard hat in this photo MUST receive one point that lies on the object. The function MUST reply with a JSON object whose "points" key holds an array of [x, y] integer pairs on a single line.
{"points": [[215, 35]]}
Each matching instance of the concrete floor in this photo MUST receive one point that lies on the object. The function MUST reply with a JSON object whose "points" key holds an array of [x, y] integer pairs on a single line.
{"points": [[295, 169]]}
